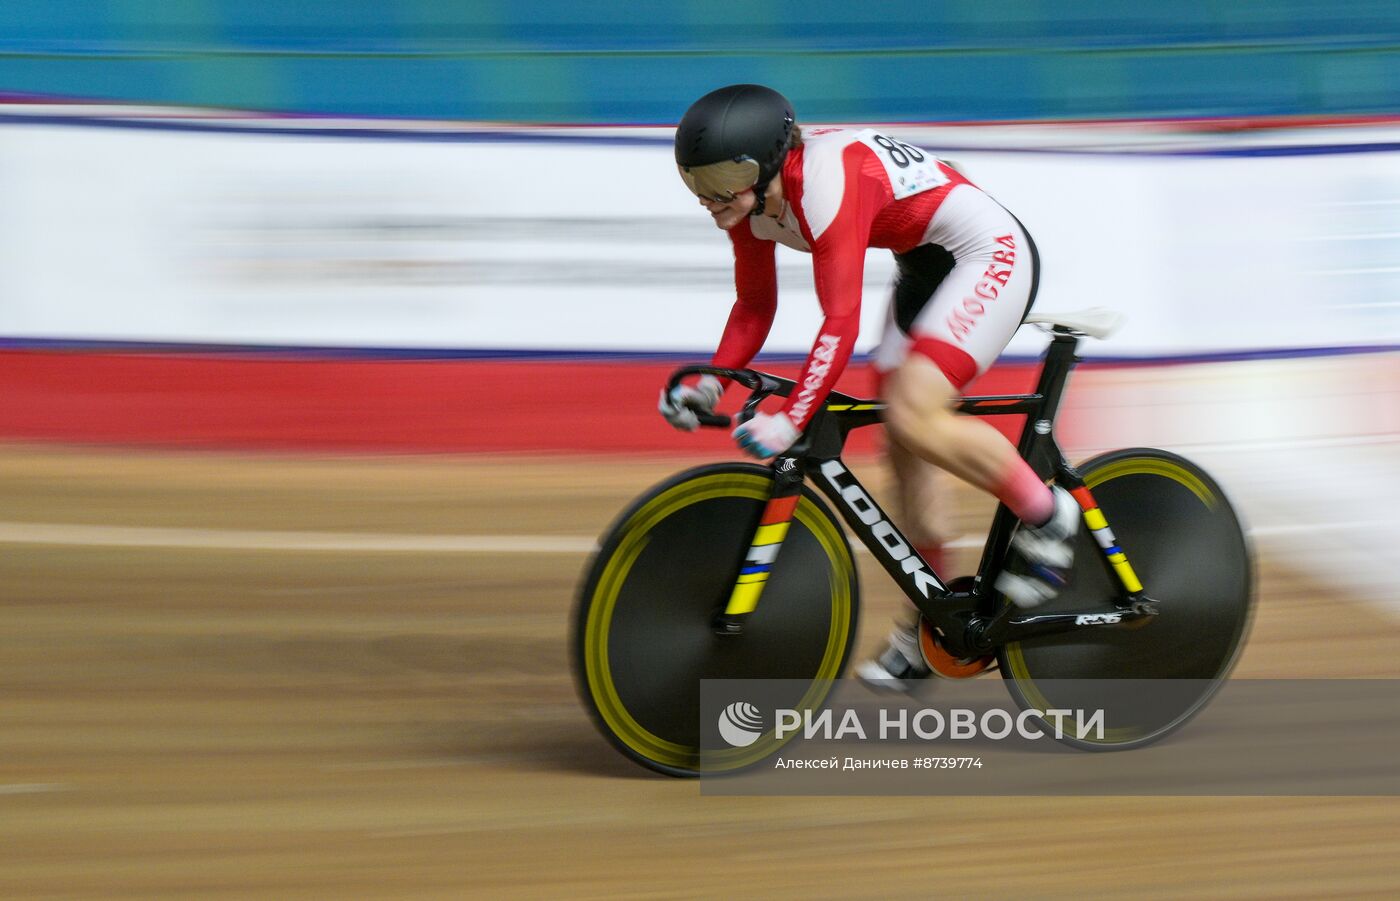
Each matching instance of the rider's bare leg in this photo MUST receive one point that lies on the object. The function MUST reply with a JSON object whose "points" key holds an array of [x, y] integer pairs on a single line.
{"points": [[921, 419], [923, 502], [922, 424]]}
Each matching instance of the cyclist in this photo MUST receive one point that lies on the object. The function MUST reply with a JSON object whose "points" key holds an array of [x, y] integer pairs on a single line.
{"points": [[966, 275]]}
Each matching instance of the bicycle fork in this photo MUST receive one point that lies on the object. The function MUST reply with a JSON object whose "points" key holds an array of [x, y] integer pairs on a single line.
{"points": [[763, 550]]}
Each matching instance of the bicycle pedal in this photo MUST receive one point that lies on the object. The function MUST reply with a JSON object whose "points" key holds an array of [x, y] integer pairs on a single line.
{"points": [[942, 662]]}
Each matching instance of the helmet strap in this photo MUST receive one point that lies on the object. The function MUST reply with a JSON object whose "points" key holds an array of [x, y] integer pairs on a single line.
{"points": [[762, 200], [761, 191]]}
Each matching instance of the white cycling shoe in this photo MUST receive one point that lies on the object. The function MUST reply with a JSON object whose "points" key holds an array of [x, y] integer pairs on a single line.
{"points": [[900, 666], [1042, 555]]}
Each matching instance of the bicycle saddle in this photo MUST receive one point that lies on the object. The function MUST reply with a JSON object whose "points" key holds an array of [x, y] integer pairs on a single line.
{"points": [[1096, 322]]}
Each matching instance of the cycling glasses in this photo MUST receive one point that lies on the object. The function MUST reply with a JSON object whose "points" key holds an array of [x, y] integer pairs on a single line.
{"points": [[721, 181]]}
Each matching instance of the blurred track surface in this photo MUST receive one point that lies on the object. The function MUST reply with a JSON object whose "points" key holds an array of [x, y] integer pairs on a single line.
{"points": [[221, 706]]}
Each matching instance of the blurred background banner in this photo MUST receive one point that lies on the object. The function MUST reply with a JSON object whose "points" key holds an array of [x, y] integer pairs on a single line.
{"points": [[187, 228], [312, 186]]}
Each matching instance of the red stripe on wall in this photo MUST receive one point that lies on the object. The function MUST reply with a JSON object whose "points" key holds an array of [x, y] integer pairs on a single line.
{"points": [[196, 400]]}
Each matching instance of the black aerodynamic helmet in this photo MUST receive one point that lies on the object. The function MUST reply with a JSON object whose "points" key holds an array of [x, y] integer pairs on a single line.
{"points": [[732, 139]]}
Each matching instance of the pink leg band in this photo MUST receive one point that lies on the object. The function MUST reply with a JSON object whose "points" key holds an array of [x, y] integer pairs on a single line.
{"points": [[1025, 495]]}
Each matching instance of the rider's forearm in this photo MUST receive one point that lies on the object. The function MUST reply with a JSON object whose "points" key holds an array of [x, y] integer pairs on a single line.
{"points": [[824, 366]]}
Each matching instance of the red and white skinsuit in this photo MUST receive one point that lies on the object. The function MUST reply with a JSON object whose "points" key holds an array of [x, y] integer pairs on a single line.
{"points": [[967, 271]]}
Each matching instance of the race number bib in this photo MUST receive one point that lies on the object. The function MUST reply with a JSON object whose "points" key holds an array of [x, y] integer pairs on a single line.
{"points": [[911, 170]]}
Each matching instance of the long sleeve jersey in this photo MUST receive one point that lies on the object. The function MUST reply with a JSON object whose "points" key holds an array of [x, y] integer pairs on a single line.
{"points": [[846, 190]]}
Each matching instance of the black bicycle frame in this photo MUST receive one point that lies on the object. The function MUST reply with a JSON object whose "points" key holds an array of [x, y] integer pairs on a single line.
{"points": [[971, 622]]}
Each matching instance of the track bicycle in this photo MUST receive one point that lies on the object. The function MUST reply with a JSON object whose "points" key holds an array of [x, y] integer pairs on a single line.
{"points": [[741, 571]]}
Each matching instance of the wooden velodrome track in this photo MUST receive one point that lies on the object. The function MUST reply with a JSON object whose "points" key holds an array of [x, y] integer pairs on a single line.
{"points": [[213, 700]]}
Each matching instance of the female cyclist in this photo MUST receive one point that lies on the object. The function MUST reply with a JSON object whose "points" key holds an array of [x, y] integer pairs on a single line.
{"points": [[966, 276]]}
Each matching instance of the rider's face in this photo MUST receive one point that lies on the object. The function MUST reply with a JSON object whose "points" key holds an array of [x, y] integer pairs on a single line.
{"points": [[728, 214]]}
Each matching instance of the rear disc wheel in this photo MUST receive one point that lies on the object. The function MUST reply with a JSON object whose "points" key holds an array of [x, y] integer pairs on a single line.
{"points": [[1186, 545]]}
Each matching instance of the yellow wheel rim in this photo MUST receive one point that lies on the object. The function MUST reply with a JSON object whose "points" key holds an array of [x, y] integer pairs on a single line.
{"points": [[604, 598]]}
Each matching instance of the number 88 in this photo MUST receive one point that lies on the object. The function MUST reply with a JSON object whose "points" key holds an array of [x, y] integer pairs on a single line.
{"points": [[900, 153]]}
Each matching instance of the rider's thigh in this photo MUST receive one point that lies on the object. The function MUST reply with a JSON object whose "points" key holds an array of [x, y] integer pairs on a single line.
{"points": [[978, 307], [920, 400], [892, 349]]}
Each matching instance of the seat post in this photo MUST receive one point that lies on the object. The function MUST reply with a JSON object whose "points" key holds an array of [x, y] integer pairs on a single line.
{"points": [[1060, 359]]}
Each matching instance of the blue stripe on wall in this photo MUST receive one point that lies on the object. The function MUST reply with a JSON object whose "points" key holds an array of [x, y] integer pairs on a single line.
{"points": [[319, 352], [628, 62]]}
